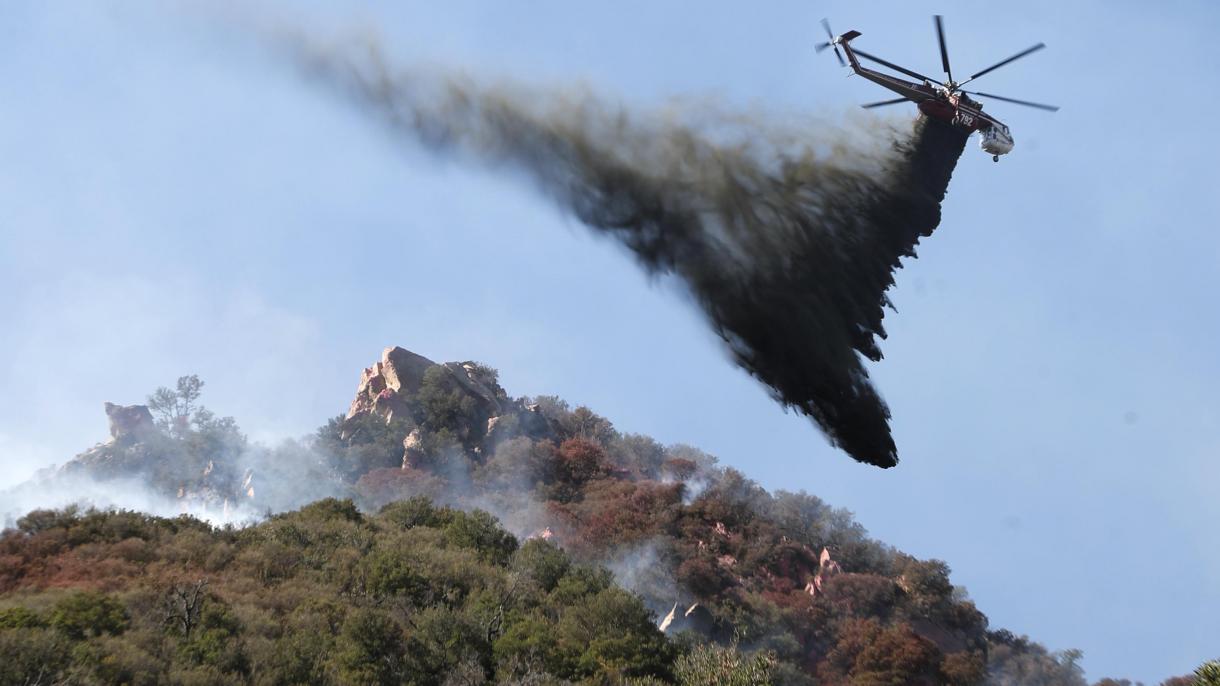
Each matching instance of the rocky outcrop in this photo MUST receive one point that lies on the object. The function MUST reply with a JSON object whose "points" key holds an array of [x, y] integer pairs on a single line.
{"points": [[413, 450], [480, 384], [518, 419], [129, 423], [206, 483], [827, 568], [385, 387], [389, 389]]}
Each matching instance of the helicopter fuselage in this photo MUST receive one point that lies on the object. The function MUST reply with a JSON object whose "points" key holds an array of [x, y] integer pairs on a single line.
{"points": [[938, 102]]}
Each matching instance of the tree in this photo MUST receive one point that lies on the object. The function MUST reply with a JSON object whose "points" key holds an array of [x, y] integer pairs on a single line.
{"points": [[1015, 661], [183, 605], [443, 640], [413, 512], [579, 461], [1208, 674], [195, 441], [390, 572], [175, 409], [86, 613], [611, 631], [20, 618], [371, 650], [34, 656], [216, 642], [441, 404], [178, 412], [586, 424], [869, 653], [542, 562], [482, 532], [363, 443], [712, 665]]}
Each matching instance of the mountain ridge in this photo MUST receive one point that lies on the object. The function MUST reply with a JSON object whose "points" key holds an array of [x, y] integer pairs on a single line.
{"points": [[716, 559]]}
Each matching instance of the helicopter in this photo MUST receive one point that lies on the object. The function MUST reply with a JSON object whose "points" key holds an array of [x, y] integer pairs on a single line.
{"points": [[944, 101]]}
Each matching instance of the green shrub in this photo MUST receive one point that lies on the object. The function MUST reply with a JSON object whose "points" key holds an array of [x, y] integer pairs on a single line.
{"points": [[216, 642], [481, 532], [86, 613], [712, 665], [413, 512], [20, 618], [543, 562], [370, 651], [33, 656]]}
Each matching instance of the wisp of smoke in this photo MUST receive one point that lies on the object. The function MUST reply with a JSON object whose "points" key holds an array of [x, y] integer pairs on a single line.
{"points": [[787, 239], [53, 490]]}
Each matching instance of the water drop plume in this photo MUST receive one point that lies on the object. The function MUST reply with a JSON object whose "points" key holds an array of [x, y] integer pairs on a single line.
{"points": [[787, 236]]}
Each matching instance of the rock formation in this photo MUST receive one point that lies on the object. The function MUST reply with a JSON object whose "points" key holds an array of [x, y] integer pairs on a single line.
{"points": [[205, 482], [385, 386], [129, 423], [669, 619], [412, 450], [389, 389], [127, 452], [827, 568]]}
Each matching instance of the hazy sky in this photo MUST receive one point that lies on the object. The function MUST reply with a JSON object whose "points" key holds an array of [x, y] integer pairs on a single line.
{"points": [[174, 201]]}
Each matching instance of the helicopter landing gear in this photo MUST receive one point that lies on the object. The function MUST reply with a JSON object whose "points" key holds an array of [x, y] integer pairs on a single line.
{"points": [[995, 158]]}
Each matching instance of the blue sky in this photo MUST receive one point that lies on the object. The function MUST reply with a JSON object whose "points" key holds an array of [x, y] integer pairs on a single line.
{"points": [[172, 201]]}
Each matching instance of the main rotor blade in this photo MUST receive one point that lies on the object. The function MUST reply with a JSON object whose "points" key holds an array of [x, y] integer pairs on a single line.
{"points": [[891, 65], [940, 37], [1049, 108], [1014, 58], [895, 101]]}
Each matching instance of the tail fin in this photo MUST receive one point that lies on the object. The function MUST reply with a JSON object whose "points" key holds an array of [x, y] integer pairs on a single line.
{"points": [[850, 35]]}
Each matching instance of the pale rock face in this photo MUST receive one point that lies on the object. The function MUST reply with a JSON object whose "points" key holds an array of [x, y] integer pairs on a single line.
{"points": [[827, 568], [384, 386], [129, 423], [412, 449], [403, 369], [389, 388], [669, 619], [473, 382]]}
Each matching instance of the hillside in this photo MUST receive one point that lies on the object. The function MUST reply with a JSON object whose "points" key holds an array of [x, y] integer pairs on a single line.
{"points": [[444, 532]]}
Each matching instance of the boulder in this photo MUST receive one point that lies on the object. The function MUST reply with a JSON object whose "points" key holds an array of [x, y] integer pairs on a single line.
{"points": [[827, 568], [403, 369], [385, 387], [412, 450], [388, 388], [129, 423], [478, 385]]}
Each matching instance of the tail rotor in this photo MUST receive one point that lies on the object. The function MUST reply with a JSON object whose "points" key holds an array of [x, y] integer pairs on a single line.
{"points": [[830, 43]]}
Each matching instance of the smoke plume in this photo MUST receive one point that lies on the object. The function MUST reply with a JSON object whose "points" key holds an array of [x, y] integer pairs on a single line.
{"points": [[786, 238]]}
